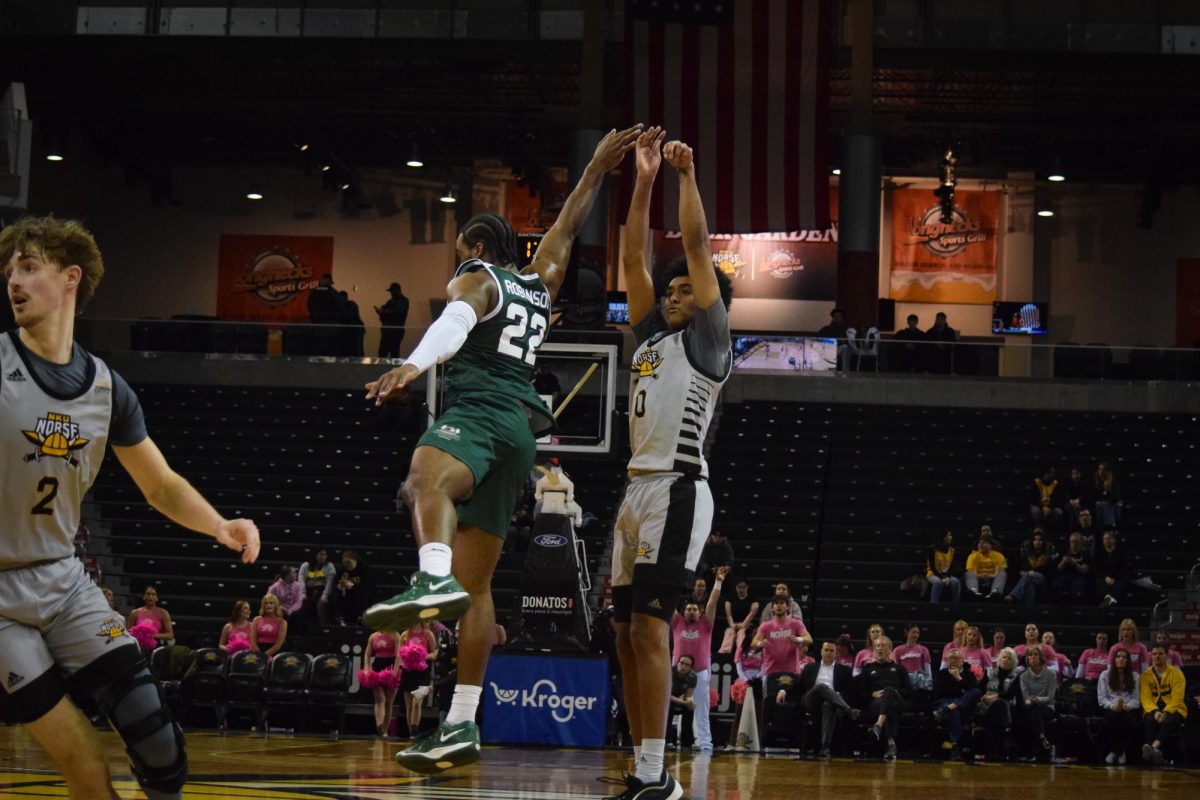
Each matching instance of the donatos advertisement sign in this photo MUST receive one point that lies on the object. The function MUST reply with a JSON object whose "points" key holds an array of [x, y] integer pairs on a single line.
{"points": [[545, 700], [944, 261], [268, 278]]}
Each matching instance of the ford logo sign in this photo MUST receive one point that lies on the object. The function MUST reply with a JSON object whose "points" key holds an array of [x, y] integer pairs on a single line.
{"points": [[550, 540]]}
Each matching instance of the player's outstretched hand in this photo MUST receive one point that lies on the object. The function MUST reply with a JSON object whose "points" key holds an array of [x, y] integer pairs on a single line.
{"points": [[648, 153], [392, 382], [240, 535], [678, 155], [613, 147]]}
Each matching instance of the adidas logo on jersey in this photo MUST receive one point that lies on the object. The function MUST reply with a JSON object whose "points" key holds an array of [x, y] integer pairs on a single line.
{"points": [[16, 376], [14, 679]]}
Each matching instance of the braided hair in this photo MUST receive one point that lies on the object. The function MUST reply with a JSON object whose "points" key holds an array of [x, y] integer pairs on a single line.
{"points": [[498, 238]]}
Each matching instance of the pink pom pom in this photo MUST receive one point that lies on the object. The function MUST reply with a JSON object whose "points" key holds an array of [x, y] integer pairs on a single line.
{"points": [[737, 691], [145, 634], [389, 679], [368, 679], [237, 644], [412, 657], [977, 671]]}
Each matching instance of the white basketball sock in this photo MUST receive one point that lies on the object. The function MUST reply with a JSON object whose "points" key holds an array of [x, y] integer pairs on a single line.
{"points": [[464, 704], [435, 559], [650, 765]]}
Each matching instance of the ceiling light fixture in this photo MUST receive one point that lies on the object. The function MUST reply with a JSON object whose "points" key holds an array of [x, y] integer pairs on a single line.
{"points": [[255, 192], [414, 158], [448, 195]]}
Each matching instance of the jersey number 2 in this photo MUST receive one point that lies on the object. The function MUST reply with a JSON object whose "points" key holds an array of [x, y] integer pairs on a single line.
{"points": [[522, 323], [43, 505]]}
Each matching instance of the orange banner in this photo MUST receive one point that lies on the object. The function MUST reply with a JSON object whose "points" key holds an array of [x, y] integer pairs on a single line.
{"points": [[944, 262], [268, 278]]}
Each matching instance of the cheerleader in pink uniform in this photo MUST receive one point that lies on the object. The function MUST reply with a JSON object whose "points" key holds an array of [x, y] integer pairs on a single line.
{"points": [[150, 625], [381, 674], [418, 649], [269, 630], [235, 636]]}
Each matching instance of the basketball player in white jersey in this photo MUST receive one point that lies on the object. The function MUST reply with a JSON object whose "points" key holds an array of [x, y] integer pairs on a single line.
{"points": [[59, 408], [682, 361]]}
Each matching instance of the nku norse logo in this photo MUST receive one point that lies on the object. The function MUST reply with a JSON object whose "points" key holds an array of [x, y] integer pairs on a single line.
{"points": [[645, 363], [56, 437]]}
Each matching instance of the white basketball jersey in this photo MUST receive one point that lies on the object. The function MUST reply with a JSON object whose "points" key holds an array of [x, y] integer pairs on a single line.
{"points": [[51, 449], [671, 404]]}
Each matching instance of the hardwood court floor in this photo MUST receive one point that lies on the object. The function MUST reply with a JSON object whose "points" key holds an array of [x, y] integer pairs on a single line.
{"points": [[299, 768]]}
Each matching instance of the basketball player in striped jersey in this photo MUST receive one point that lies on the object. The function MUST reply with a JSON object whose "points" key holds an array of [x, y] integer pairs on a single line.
{"points": [[682, 360]]}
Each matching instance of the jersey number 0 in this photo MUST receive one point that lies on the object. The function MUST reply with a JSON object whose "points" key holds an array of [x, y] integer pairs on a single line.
{"points": [[522, 323]]}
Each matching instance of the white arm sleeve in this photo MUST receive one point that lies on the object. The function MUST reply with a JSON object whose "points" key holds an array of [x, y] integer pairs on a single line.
{"points": [[444, 337]]}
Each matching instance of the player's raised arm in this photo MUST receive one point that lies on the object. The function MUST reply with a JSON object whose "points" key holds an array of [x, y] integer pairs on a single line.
{"points": [[693, 227], [639, 286], [550, 261], [168, 493]]}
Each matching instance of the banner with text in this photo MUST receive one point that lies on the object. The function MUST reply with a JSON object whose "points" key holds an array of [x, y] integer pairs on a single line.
{"points": [[944, 262], [268, 278], [546, 699]]}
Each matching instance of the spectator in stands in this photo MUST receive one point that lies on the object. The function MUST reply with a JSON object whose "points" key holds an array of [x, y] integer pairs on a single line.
{"points": [[1113, 570], [867, 654], [1038, 688], [354, 589], [1045, 498], [955, 693], [417, 652], [1087, 530], [1106, 496], [845, 650], [915, 658], [940, 358], [1073, 581], [1120, 701], [323, 302], [289, 590], [837, 327], [1037, 563], [974, 654], [1033, 639], [691, 634], [1094, 660], [1127, 637], [381, 674], [1077, 496], [882, 689], [940, 570], [1001, 694], [269, 630], [235, 636], [999, 640], [150, 625], [1163, 689], [683, 703], [392, 317], [1050, 645], [986, 570], [748, 663], [1162, 637], [319, 575], [1046, 518], [957, 636], [826, 687], [699, 595], [741, 611], [110, 597], [780, 638], [794, 609], [717, 552], [910, 355]]}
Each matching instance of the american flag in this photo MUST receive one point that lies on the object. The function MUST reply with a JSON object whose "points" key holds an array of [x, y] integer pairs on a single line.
{"points": [[745, 82]]}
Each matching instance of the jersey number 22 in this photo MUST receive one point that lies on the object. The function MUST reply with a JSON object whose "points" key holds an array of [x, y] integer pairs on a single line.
{"points": [[522, 323]]}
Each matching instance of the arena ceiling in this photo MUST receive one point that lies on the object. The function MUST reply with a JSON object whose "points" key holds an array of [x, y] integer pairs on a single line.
{"points": [[168, 101]]}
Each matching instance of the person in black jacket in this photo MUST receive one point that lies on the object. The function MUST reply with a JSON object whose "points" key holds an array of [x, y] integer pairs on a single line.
{"points": [[354, 591], [1112, 570], [828, 687], [882, 687], [1001, 693], [955, 693]]}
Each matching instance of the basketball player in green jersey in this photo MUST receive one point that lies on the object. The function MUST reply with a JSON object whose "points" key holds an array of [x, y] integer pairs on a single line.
{"points": [[468, 468]]}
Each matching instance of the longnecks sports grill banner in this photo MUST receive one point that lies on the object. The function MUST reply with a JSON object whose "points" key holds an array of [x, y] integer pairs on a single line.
{"points": [[268, 278], [939, 262]]}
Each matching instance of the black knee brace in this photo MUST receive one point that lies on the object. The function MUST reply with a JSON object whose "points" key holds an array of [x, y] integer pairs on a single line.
{"points": [[141, 717]]}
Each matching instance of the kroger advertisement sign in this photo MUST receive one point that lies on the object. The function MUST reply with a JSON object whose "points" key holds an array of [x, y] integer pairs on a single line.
{"points": [[545, 700]]}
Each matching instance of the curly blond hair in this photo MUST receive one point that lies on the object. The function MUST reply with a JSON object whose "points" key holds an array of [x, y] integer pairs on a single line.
{"points": [[62, 242]]}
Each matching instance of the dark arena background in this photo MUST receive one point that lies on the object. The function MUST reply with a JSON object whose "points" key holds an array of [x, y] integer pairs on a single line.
{"points": [[964, 248]]}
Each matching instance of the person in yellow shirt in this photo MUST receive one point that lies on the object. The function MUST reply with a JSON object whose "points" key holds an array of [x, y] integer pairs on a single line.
{"points": [[1162, 693], [986, 570]]}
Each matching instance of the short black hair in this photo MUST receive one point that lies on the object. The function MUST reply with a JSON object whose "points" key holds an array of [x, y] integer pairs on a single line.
{"points": [[498, 238], [679, 269]]}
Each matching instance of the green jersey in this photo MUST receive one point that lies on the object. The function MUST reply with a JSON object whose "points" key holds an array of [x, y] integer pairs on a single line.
{"points": [[498, 357]]}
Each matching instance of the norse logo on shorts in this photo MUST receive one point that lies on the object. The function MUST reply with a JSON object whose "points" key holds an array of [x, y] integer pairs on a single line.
{"points": [[449, 432], [111, 629], [14, 679], [644, 549], [56, 437], [645, 363]]}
